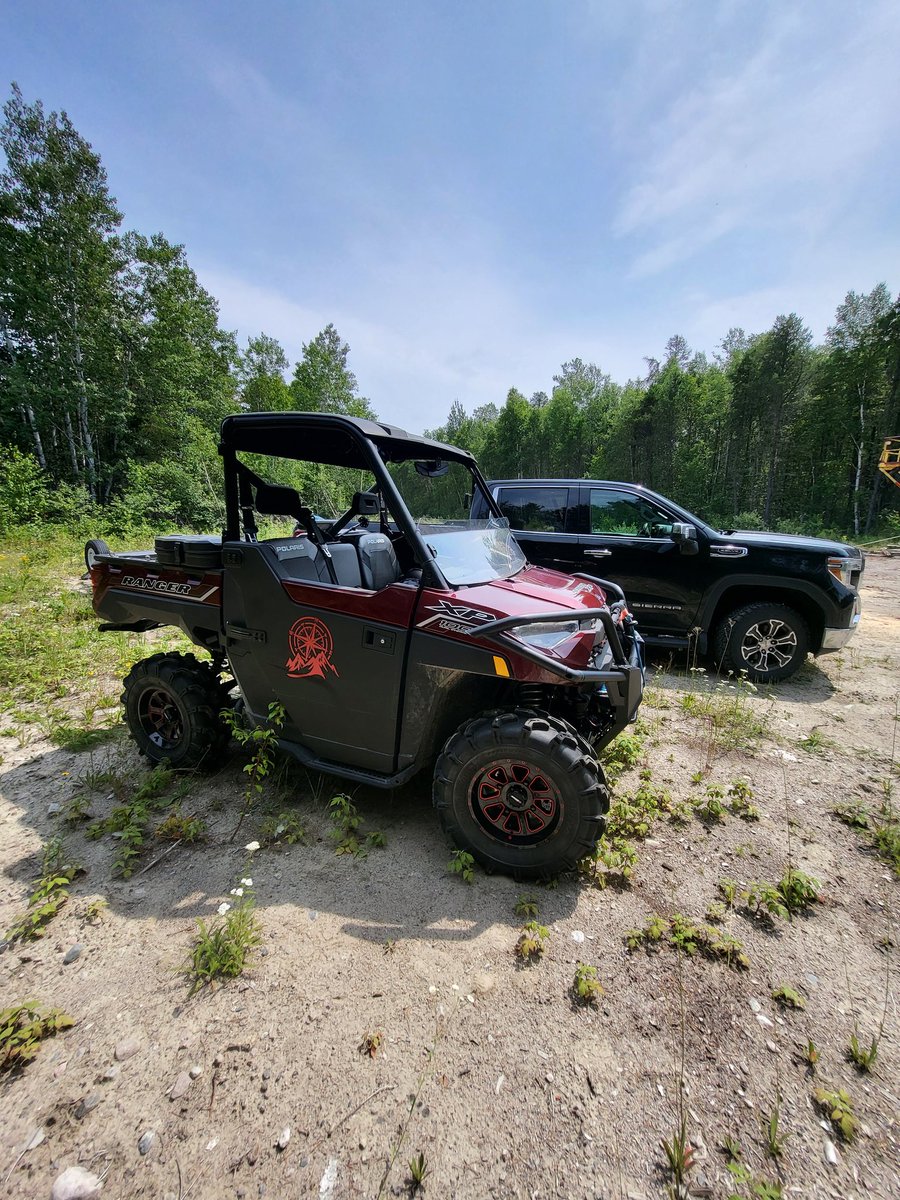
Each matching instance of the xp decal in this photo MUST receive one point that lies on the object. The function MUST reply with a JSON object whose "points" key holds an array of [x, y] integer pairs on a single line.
{"points": [[311, 647], [456, 617]]}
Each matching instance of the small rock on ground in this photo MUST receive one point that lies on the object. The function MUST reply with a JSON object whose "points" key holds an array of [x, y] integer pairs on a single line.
{"points": [[75, 1184], [73, 953], [146, 1140], [180, 1086], [126, 1048]]}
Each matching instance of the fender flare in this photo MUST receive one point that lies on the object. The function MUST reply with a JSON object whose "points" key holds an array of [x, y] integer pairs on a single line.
{"points": [[779, 583]]}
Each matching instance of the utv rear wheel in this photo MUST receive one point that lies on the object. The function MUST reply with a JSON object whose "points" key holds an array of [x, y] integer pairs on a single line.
{"points": [[173, 705], [522, 792], [767, 641]]}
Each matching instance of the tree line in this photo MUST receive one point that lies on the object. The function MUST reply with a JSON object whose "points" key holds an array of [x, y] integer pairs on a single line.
{"points": [[115, 374]]}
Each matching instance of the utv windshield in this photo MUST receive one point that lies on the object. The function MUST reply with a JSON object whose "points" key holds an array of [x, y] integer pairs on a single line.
{"points": [[439, 496]]}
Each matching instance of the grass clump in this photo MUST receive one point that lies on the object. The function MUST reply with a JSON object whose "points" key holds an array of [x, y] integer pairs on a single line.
{"points": [[133, 818], [22, 1029], [177, 827], [222, 947]]}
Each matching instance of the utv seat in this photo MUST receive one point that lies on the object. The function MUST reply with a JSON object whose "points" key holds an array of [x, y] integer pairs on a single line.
{"points": [[301, 559], [377, 561]]}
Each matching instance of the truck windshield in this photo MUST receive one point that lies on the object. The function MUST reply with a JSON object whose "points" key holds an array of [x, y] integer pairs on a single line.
{"points": [[439, 496]]}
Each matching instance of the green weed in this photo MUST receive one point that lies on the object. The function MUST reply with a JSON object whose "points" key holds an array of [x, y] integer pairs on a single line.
{"points": [[787, 997], [838, 1106], [177, 827], [860, 1055], [371, 1043], [222, 947], [263, 742], [462, 864], [526, 906], [682, 933], [586, 987], [283, 829], [132, 819], [50, 893], [418, 1170], [532, 941], [347, 829], [22, 1029]]}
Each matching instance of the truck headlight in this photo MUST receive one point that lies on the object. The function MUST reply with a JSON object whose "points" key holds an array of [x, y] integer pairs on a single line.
{"points": [[842, 568], [547, 634]]}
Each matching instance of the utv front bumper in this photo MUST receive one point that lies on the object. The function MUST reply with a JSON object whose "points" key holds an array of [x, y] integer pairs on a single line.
{"points": [[622, 681]]}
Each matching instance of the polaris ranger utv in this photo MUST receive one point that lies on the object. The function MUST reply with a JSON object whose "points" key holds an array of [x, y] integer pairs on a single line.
{"points": [[399, 633]]}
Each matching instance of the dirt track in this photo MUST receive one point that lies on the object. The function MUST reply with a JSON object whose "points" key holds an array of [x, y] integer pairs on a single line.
{"points": [[515, 1090]]}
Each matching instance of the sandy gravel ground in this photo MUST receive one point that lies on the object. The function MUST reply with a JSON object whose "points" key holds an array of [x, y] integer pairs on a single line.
{"points": [[489, 1069]]}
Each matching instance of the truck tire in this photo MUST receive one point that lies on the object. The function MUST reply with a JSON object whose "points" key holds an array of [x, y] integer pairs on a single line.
{"points": [[767, 641], [522, 792], [173, 705]]}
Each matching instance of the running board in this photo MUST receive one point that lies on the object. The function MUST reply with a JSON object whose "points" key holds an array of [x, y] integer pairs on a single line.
{"points": [[358, 774]]}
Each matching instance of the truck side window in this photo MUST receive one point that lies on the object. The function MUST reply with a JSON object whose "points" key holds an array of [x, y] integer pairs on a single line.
{"points": [[537, 509], [628, 515]]}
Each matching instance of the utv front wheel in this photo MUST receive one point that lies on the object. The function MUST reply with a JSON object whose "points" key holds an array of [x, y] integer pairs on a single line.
{"points": [[522, 792], [173, 705]]}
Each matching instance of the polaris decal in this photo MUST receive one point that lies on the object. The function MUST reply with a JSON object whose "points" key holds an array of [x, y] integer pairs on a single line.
{"points": [[458, 618], [311, 646], [150, 583]]}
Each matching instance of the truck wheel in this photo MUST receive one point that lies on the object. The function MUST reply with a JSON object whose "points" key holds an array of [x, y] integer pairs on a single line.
{"points": [[522, 792], [768, 641], [173, 704]]}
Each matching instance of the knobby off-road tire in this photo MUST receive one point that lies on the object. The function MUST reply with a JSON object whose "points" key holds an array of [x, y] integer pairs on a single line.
{"points": [[522, 792], [768, 641], [173, 705]]}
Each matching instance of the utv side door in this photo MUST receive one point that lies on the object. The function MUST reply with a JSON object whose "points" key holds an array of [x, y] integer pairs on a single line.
{"points": [[627, 538], [540, 517], [333, 655]]}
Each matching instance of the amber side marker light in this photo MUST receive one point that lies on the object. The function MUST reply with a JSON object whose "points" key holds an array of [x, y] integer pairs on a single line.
{"points": [[500, 666]]}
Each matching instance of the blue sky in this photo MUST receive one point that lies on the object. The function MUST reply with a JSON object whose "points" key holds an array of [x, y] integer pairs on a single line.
{"points": [[475, 192]]}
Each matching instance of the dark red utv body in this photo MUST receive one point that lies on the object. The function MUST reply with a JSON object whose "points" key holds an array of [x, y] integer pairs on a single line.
{"points": [[389, 640]]}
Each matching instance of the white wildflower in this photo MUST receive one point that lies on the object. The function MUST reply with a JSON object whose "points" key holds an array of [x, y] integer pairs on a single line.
{"points": [[252, 846], [247, 882], [236, 891], [223, 908]]}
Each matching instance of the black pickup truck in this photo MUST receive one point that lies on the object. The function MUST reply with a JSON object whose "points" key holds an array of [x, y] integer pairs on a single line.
{"points": [[758, 602]]}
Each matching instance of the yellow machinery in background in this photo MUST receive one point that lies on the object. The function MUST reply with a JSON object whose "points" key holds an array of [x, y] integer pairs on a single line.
{"points": [[889, 463]]}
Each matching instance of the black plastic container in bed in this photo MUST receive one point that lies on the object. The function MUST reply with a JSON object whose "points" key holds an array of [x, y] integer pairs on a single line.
{"points": [[189, 550]]}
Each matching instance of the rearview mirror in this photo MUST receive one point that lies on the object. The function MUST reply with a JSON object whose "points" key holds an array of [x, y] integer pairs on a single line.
{"points": [[432, 468], [366, 504]]}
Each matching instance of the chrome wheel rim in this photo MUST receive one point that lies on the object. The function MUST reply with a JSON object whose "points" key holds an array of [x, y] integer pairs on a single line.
{"points": [[768, 645]]}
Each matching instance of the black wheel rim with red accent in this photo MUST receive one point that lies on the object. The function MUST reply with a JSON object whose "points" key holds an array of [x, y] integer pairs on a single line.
{"points": [[515, 802], [161, 718]]}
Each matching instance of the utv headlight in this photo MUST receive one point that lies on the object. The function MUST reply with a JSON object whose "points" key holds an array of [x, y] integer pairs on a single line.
{"points": [[547, 634]]}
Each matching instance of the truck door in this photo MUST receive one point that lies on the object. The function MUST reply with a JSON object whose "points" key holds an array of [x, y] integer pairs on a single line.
{"points": [[540, 517], [333, 655], [628, 538]]}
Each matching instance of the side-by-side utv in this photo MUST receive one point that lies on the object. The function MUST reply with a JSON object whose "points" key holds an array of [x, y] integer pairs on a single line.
{"points": [[398, 636]]}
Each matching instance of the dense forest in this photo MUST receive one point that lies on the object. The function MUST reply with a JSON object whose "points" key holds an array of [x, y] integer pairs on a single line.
{"points": [[115, 374]]}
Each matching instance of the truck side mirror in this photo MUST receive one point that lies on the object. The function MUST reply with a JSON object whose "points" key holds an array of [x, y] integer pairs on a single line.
{"points": [[685, 537]]}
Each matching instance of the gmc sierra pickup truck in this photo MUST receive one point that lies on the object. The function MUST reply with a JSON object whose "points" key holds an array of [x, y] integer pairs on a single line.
{"points": [[758, 602]]}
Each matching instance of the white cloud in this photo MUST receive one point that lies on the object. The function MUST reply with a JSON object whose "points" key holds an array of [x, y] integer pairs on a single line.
{"points": [[775, 144]]}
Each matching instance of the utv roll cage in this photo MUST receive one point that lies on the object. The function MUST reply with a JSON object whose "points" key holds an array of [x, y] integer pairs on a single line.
{"points": [[337, 441]]}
